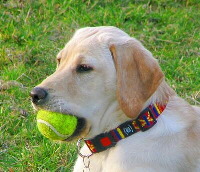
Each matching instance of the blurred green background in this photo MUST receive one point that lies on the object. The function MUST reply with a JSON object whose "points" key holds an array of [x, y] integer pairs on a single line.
{"points": [[33, 32]]}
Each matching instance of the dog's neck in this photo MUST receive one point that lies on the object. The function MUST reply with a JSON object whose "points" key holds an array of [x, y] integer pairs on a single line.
{"points": [[117, 116], [121, 126], [145, 120]]}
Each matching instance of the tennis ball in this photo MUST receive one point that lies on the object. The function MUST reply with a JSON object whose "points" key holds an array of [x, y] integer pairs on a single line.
{"points": [[56, 126]]}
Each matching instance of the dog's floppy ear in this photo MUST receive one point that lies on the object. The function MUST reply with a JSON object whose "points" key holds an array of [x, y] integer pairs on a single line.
{"points": [[138, 75]]}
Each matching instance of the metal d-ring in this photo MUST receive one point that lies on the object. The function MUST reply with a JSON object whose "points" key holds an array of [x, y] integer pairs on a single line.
{"points": [[78, 144], [86, 158]]}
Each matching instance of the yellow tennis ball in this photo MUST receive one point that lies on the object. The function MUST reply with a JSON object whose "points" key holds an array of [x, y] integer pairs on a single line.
{"points": [[56, 126]]}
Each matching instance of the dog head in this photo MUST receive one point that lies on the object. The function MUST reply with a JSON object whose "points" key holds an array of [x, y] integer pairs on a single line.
{"points": [[103, 76]]}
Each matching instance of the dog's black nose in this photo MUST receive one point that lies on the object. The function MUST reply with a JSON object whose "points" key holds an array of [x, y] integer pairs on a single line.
{"points": [[38, 94]]}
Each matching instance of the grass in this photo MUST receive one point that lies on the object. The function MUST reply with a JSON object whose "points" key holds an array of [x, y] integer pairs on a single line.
{"points": [[32, 33]]}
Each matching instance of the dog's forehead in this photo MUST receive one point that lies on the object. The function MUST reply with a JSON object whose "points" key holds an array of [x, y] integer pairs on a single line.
{"points": [[86, 48]]}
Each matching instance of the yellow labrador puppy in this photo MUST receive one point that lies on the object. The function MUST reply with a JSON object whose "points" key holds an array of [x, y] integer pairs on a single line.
{"points": [[129, 117]]}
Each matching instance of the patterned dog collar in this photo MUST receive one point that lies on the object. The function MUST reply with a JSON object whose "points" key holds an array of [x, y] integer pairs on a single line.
{"points": [[146, 119]]}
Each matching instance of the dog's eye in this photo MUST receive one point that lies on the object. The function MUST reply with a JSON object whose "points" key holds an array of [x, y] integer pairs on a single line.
{"points": [[83, 68]]}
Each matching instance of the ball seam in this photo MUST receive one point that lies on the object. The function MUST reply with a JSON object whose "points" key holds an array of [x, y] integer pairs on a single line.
{"points": [[51, 127]]}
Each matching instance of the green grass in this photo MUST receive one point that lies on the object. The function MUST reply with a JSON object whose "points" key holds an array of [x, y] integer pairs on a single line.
{"points": [[32, 33]]}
